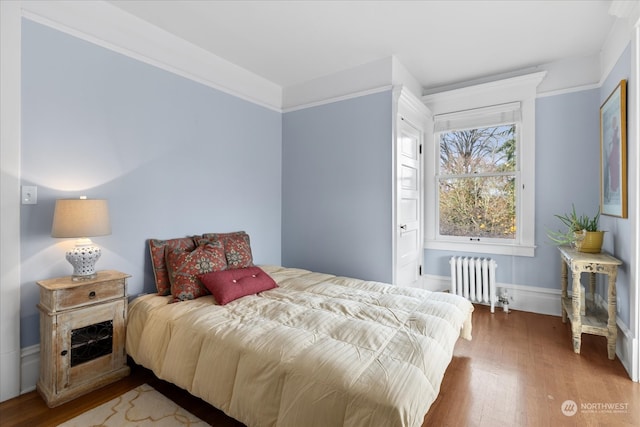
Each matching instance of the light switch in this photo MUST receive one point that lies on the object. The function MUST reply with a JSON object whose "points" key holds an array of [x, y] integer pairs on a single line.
{"points": [[29, 195]]}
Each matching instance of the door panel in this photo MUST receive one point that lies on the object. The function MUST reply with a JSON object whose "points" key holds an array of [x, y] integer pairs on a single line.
{"points": [[409, 178], [409, 210]]}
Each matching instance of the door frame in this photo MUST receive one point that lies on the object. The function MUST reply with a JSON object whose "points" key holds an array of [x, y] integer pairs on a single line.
{"points": [[409, 107]]}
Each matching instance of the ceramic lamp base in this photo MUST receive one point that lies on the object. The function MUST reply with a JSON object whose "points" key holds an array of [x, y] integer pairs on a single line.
{"points": [[83, 258]]}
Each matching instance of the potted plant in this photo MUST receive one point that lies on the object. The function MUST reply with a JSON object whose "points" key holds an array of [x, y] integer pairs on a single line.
{"points": [[582, 232]]}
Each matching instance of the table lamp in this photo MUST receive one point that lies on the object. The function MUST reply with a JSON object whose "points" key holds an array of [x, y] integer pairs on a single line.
{"points": [[81, 218]]}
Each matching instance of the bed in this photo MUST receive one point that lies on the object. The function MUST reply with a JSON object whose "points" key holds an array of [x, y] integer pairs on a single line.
{"points": [[312, 350]]}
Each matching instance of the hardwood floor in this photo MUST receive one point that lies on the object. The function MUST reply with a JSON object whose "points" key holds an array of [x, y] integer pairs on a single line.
{"points": [[518, 370]]}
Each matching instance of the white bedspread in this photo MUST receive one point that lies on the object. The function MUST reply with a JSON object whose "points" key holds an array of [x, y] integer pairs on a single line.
{"points": [[319, 350]]}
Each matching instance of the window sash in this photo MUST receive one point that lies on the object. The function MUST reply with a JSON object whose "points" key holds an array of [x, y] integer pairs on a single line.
{"points": [[518, 137], [478, 238]]}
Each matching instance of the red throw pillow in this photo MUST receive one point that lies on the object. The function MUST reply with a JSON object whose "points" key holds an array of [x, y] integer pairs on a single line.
{"points": [[157, 249], [185, 267], [229, 285]]}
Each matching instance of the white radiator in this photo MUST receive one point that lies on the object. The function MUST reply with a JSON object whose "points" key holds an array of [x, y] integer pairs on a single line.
{"points": [[474, 279]]}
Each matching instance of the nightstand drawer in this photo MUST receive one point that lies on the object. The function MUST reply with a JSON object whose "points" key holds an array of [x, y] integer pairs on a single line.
{"points": [[57, 294], [87, 294]]}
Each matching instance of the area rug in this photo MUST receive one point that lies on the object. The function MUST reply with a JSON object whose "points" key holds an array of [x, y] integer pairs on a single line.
{"points": [[142, 406]]}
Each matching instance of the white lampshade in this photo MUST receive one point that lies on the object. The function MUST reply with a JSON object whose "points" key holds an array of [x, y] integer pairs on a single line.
{"points": [[82, 218]]}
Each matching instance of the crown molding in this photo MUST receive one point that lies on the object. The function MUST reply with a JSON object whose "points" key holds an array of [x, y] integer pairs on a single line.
{"points": [[340, 98], [105, 25], [624, 8]]}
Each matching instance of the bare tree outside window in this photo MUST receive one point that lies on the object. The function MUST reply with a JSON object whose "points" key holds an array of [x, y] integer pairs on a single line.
{"points": [[477, 174]]}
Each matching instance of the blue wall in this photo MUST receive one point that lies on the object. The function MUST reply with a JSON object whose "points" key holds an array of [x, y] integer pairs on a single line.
{"points": [[172, 156], [337, 178], [618, 238]]}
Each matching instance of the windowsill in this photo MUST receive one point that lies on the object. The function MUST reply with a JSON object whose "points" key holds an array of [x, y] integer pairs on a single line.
{"points": [[482, 248]]}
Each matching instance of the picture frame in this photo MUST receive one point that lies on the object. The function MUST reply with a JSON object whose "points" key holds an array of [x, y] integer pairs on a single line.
{"points": [[613, 153]]}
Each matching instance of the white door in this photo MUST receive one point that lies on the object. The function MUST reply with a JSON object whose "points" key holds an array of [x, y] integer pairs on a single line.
{"points": [[408, 203]]}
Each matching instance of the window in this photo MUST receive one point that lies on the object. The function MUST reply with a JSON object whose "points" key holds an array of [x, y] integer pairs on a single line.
{"points": [[480, 168], [477, 174]]}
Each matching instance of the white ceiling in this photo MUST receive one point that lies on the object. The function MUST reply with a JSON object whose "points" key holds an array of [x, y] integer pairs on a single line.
{"points": [[439, 42]]}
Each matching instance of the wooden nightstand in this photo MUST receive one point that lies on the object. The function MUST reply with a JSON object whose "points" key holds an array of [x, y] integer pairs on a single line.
{"points": [[82, 335]]}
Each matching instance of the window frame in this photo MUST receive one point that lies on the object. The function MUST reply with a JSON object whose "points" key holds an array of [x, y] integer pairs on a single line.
{"points": [[486, 96]]}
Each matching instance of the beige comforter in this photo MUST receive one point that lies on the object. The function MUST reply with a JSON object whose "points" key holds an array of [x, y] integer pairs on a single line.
{"points": [[319, 350]]}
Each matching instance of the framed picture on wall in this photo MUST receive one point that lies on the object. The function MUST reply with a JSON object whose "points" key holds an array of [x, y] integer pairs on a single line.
{"points": [[613, 153]]}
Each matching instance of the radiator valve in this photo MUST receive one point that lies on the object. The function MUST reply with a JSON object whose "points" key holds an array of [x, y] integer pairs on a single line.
{"points": [[504, 300]]}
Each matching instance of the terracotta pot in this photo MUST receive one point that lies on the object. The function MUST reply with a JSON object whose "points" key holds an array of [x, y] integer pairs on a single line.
{"points": [[589, 241]]}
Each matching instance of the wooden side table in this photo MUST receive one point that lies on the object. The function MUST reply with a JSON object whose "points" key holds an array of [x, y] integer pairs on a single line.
{"points": [[583, 313], [82, 335]]}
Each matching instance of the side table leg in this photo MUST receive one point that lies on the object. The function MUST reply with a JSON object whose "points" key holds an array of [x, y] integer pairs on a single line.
{"points": [[577, 338], [592, 290], [612, 327], [563, 284], [576, 321], [611, 344]]}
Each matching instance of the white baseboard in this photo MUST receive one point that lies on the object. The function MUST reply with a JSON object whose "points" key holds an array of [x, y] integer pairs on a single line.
{"points": [[624, 349], [433, 283], [30, 367], [625, 343], [524, 298]]}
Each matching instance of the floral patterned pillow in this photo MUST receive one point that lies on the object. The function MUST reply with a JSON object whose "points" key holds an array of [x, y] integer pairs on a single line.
{"points": [[237, 248], [157, 249], [185, 267]]}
